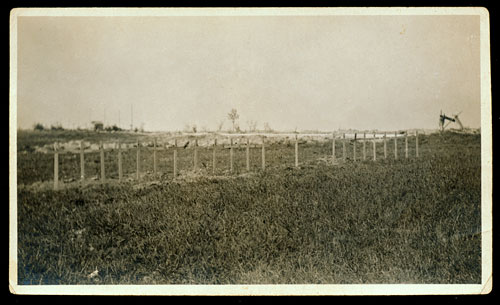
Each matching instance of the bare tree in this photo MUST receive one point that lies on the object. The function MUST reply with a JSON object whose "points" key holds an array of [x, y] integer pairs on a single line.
{"points": [[267, 127], [220, 125], [252, 125], [233, 117]]}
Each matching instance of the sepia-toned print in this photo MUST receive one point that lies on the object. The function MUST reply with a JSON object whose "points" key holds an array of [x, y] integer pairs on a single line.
{"points": [[250, 151]]}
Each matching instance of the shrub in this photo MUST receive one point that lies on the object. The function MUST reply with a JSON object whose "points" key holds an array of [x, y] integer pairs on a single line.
{"points": [[56, 127], [98, 125]]}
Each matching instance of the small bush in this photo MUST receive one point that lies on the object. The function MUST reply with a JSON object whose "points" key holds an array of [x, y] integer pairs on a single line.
{"points": [[56, 127], [38, 126], [112, 128], [98, 125]]}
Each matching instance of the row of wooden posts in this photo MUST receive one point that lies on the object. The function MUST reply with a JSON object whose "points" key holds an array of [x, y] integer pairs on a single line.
{"points": [[175, 169]]}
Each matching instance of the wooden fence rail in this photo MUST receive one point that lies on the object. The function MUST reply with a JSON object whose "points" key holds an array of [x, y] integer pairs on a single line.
{"points": [[196, 160]]}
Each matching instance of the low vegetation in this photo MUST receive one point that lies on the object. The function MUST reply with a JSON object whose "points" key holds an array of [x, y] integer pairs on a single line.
{"points": [[390, 221]]}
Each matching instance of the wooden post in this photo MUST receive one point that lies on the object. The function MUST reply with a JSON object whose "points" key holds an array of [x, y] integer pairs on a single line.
{"points": [[416, 143], [175, 158], [354, 148], [82, 161], [406, 144], [103, 173], [333, 146], [263, 153], [385, 145], [296, 151], [154, 157], [364, 146], [374, 147], [343, 147], [195, 154], [213, 157], [395, 145], [120, 169], [231, 154], [138, 161], [56, 167], [248, 154]]}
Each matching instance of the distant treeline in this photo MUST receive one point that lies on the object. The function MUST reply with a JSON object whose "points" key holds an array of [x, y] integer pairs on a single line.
{"points": [[97, 126]]}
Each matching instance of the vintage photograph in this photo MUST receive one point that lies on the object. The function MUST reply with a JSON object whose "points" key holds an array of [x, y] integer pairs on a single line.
{"points": [[232, 151]]}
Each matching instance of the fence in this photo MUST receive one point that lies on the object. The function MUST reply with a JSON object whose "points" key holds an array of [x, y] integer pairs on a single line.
{"points": [[217, 149]]}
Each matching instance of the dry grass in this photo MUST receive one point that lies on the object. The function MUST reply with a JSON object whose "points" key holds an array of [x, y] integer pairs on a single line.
{"points": [[391, 221]]}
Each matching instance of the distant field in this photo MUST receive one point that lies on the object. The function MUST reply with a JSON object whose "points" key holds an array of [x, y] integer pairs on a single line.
{"points": [[390, 221]]}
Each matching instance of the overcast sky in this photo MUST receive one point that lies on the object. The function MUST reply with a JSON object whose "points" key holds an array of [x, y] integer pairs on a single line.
{"points": [[304, 72]]}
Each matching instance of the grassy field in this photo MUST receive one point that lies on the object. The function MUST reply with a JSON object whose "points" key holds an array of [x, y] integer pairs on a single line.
{"points": [[390, 221]]}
